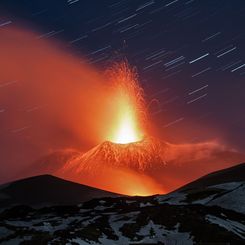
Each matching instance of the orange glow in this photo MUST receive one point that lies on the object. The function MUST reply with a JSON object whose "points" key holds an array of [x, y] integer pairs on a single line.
{"points": [[129, 106], [123, 181]]}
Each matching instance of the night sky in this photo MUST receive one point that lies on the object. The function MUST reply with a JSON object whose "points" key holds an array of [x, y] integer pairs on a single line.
{"points": [[189, 55]]}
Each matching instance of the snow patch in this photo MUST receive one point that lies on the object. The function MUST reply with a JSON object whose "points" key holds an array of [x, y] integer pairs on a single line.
{"points": [[175, 198], [230, 225], [234, 199], [158, 233], [227, 186], [142, 205]]}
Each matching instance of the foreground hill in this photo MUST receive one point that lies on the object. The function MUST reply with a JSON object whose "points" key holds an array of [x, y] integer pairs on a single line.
{"points": [[199, 213], [47, 190], [232, 174], [224, 188]]}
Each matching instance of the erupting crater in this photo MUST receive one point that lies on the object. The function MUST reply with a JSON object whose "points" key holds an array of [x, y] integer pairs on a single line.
{"points": [[141, 155], [119, 163]]}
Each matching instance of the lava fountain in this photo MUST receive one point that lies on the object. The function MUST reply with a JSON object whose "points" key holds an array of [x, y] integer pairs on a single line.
{"points": [[128, 101]]}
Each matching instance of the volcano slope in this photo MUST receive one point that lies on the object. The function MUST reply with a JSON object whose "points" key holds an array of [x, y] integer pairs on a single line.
{"points": [[209, 210], [165, 166]]}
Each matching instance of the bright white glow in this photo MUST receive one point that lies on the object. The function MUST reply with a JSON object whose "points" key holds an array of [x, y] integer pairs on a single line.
{"points": [[126, 132], [126, 129]]}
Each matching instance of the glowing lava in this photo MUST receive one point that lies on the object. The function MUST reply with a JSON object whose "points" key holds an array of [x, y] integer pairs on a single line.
{"points": [[129, 106]]}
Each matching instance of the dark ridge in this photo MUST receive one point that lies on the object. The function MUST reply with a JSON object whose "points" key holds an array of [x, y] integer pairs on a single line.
{"points": [[232, 174], [48, 190]]}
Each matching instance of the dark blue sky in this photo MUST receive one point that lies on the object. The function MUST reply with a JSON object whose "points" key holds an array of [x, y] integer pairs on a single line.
{"points": [[190, 54]]}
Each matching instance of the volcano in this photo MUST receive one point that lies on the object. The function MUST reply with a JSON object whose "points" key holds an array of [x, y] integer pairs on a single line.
{"points": [[118, 167], [141, 155]]}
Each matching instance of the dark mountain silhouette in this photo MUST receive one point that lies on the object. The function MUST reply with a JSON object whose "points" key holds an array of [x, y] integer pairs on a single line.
{"points": [[232, 174], [47, 190], [209, 210]]}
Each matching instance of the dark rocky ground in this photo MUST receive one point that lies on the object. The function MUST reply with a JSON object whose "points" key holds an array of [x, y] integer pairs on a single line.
{"points": [[122, 221]]}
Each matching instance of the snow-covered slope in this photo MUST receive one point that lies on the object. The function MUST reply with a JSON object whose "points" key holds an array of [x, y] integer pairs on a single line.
{"points": [[120, 221], [225, 188]]}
